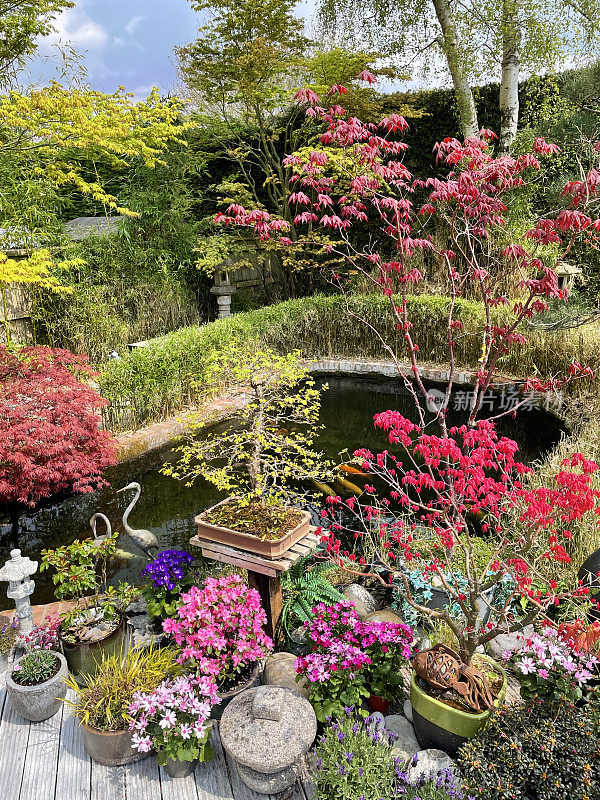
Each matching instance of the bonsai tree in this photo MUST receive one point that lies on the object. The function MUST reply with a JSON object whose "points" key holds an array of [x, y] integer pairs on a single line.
{"points": [[264, 453], [443, 479], [50, 436]]}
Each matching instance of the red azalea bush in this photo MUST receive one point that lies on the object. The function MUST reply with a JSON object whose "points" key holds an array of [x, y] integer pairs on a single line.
{"points": [[50, 435], [351, 658], [220, 628], [442, 479]]}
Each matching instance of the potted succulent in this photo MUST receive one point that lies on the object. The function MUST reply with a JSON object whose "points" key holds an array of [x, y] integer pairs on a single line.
{"points": [[174, 722], [220, 631], [103, 701], [94, 627], [8, 637], [259, 456], [352, 660], [36, 684]]}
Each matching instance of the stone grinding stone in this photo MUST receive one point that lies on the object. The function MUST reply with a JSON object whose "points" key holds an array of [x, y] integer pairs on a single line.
{"points": [[280, 670], [364, 602], [268, 745], [272, 783]]}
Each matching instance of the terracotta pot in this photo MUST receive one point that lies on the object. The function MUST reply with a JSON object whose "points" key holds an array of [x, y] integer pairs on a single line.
{"points": [[111, 748], [84, 658], [227, 697], [246, 541], [377, 703]]}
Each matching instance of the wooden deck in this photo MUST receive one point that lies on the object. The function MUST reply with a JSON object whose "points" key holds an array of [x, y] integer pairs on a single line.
{"points": [[47, 761]]}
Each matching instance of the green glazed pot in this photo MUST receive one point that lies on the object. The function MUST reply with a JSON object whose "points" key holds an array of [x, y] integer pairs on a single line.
{"points": [[84, 658], [440, 726]]}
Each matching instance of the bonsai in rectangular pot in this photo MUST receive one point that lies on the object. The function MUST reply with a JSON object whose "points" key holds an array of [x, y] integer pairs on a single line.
{"points": [[261, 457]]}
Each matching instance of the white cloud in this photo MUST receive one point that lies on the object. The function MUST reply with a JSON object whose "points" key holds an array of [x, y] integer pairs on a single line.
{"points": [[133, 23], [79, 29]]}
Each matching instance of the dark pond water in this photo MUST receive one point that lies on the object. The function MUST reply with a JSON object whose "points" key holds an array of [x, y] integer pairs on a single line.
{"points": [[167, 507]]}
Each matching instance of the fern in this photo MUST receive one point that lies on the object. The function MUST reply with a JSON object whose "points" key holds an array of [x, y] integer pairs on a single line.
{"points": [[304, 587]]}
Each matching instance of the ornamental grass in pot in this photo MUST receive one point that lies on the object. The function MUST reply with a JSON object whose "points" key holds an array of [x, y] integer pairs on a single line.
{"points": [[261, 456], [103, 700], [94, 627], [220, 630], [36, 684]]}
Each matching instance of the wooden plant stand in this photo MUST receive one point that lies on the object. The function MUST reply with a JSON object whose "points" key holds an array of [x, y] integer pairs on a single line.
{"points": [[264, 574]]}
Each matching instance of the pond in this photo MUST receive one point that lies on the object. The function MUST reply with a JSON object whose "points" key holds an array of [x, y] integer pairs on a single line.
{"points": [[167, 507]]}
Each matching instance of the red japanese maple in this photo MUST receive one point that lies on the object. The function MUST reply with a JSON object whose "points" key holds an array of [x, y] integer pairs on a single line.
{"points": [[442, 480], [50, 435]]}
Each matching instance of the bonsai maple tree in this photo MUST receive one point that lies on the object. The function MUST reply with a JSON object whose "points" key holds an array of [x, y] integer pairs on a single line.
{"points": [[442, 480], [50, 435]]}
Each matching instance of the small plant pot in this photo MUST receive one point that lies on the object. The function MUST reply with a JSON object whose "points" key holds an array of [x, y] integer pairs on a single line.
{"points": [[180, 769], [84, 658], [227, 697], [111, 748], [42, 701], [442, 727], [377, 703], [245, 541]]}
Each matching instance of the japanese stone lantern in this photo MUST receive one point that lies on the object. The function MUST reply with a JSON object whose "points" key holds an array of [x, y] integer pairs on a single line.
{"points": [[268, 730], [18, 571]]}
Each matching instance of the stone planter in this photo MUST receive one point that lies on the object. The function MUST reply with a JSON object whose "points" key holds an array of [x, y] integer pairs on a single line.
{"points": [[227, 697], [180, 769], [42, 701], [111, 748], [245, 541], [84, 658], [440, 726]]}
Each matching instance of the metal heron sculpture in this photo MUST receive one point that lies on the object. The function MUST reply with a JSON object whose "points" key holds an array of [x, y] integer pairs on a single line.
{"points": [[146, 540]]}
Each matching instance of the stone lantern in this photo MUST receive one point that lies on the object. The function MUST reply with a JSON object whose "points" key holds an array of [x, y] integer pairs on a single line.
{"points": [[223, 289], [17, 572], [268, 731]]}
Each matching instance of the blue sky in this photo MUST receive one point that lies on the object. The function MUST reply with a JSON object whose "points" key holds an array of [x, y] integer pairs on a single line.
{"points": [[124, 42]]}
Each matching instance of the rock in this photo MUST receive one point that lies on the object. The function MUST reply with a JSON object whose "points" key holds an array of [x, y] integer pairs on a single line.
{"points": [[280, 670], [406, 744], [385, 615], [267, 731], [363, 601], [140, 622], [429, 763], [407, 710], [377, 721], [505, 642], [133, 609]]}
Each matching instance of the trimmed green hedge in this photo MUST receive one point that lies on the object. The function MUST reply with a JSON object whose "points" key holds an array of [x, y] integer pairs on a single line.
{"points": [[156, 381]]}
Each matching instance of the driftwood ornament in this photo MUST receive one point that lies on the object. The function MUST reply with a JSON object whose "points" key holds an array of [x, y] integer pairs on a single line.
{"points": [[442, 668]]}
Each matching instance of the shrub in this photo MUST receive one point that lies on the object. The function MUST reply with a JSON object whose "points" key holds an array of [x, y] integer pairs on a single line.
{"points": [[157, 380], [220, 628], [526, 755]]}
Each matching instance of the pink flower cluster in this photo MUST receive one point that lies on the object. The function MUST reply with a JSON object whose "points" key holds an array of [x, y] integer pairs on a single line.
{"points": [[341, 641], [45, 635], [546, 655], [178, 710], [220, 627]]}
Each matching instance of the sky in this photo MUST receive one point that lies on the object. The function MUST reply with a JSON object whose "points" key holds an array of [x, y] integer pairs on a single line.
{"points": [[124, 43]]}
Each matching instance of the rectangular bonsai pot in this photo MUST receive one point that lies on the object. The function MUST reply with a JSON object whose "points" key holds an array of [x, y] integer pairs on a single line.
{"points": [[248, 542]]}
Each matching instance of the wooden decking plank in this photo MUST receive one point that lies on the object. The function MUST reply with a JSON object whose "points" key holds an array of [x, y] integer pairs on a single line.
{"points": [[41, 759], [306, 776], [178, 788], [14, 735], [212, 780], [74, 777], [108, 783], [142, 780]]}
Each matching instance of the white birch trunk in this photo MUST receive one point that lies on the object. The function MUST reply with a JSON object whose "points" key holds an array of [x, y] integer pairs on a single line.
{"points": [[464, 95], [509, 82]]}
